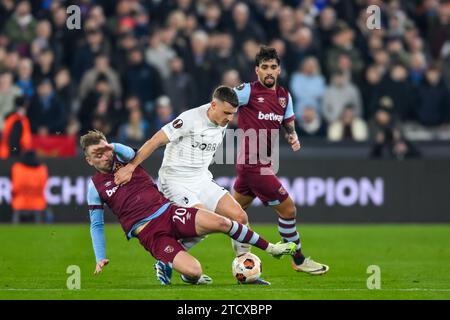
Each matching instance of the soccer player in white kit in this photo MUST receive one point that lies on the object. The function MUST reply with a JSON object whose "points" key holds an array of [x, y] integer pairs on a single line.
{"points": [[191, 141]]}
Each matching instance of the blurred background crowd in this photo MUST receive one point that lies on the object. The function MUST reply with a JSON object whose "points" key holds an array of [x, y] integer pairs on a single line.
{"points": [[134, 65]]}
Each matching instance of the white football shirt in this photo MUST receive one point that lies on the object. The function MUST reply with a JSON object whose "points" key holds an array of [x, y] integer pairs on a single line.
{"points": [[194, 139]]}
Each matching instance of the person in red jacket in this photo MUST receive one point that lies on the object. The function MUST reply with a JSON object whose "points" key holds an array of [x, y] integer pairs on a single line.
{"points": [[16, 136], [29, 179]]}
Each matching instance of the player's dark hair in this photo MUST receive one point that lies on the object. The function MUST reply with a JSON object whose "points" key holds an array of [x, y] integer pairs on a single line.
{"points": [[226, 94], [266, 53], [91, 138]]}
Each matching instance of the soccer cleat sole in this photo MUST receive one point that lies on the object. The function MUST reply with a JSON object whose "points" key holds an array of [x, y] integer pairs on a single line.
{"points": [[317, 272]]}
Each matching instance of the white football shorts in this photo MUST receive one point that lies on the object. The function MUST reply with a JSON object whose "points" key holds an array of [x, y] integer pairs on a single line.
{"points": [[188, 192]]}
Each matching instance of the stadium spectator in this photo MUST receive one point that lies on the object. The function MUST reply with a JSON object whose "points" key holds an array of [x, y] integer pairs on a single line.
{"points": [[417, 68], [29, 179], [231, 78], [243, 27], [307, 86], [142, 80], [445, 57], [45, 67], [64, 87], [180, 86], [132, 103], [438, 27], [200, 63], [286, 23], [245, 60], [397, 52], [343, 43], [101, 66], [326, 25], [389, 140], [311, 124], [396, 85], [211, 21], [125, 43], [434, 106], [21, 27], [370, 90], [164, 113], [25, 81], [158, 54], [223, 54], [43, 39], [100, 106], [6, 11], [301, 46], [136, 131], [85, 55], [348, 127], [16, 134], [8, 93], [47, 113], [381, 60], [340, 93]]}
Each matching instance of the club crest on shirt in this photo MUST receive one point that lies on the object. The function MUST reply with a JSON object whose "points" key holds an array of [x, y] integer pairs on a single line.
{"points": [[282, 101], [260, 99], [178, 123], [168, 249], [241, 86], [117, 166], [107, 184], [282, 191]]}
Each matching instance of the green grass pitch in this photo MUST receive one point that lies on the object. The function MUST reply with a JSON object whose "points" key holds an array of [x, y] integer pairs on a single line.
{"points": [[414, 261]]}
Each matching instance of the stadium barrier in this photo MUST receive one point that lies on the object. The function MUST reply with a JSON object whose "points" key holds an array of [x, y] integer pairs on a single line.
{"points": [[325, 191]]}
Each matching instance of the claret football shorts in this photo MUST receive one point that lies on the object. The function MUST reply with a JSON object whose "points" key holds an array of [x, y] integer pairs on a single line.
{"points": [[160, 236], [267, 188]]}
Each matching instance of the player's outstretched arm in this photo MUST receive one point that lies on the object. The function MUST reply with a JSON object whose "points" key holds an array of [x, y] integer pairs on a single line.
{"points": [[291, 135], [98, 239], [97, 227], [123, 175]]}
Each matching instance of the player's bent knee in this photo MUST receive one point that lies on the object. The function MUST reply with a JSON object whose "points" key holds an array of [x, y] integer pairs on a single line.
{"points": [[288, 212], [241, 217]]}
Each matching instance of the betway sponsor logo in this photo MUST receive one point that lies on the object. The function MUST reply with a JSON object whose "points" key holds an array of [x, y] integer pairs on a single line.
{"points": [[270, 116], [110, 192]]}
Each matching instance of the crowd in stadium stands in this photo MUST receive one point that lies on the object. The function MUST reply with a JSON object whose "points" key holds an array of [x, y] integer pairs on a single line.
{"points": [[134, 65]]}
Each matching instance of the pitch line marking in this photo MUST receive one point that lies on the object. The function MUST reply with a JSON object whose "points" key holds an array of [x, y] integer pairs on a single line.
{"points": [[226, 289]]}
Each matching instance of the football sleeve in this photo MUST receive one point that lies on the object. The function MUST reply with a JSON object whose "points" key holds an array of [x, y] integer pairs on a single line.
{"points": [[243, 92], [96, 213], [123, 152], [289, 113], [179, 127]]}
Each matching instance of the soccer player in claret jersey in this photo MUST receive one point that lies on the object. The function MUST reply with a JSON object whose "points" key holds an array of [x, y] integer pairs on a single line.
{"points": [[191, 141], [266, 106], [146, 214]]}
